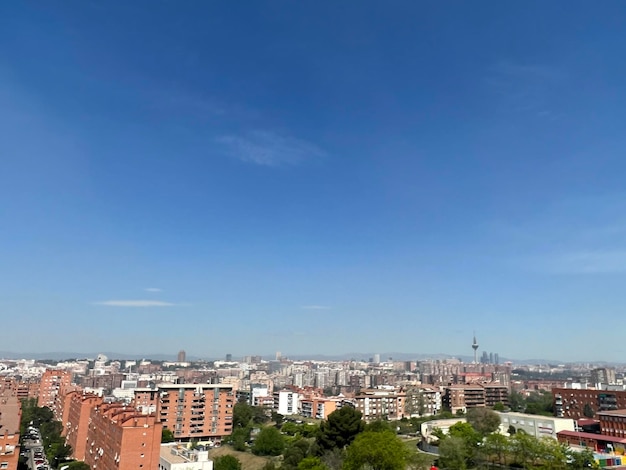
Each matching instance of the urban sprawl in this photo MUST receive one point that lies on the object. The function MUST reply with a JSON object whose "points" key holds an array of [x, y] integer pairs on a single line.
{"points": [[160, 415]]}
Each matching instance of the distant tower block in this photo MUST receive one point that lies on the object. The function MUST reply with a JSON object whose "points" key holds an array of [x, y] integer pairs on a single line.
{"points": [[475, 348], [279, 356], [182, 356]]}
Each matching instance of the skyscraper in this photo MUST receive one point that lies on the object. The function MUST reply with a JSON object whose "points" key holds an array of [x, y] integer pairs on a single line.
{"points": [[182, 356]]}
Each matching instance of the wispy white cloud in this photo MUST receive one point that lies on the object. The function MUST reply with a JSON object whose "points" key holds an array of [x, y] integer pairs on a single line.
{"points": [[527, 87], [268, 148], [584, 262], [153, 289], [135, 303], [315, 307]]}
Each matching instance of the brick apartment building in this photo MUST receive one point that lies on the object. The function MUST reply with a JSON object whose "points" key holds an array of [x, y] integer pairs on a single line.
{"points": [[75, 419], [613, 423], [462, 397], [10, 415], [51, 385], [120, 438], [191, 411], [585, 403]]}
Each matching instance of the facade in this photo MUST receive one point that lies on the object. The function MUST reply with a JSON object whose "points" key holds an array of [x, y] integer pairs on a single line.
{"points": [[613, 423], [10, 415], [177, 457], [462, 397], [377, 404], [286, 402], [52, 384], [318, 408], [535, 425], [603, 376], [196, 411], [120, 438], [586, 403], [76, 415], [495, 393]]}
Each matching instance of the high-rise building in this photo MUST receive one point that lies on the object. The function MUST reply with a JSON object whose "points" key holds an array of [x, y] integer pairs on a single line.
{"points": [[229, 357], [10, 415], [192, 411], [52, 383], [376, 359], [182, 356]]}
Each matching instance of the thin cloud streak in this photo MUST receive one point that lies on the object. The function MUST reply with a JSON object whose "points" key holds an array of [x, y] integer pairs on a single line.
{"points": [[268, 148], [153, 289], [135, 303], [584, 262], [315, 307]]}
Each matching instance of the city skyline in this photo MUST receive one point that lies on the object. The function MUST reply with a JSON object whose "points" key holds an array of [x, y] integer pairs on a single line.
{"points": [[310, 178]]}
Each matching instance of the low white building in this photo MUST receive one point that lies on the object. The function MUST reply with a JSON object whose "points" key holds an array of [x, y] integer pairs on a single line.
{"points": [[535, 425], [177, 457], [427, 428]]}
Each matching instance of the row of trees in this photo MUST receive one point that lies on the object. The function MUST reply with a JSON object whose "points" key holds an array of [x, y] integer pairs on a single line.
{"points": [[43, 419]]}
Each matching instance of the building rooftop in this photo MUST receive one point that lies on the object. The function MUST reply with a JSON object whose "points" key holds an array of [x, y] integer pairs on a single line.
{"points": [[621, 413], [180, 454], [9, 414], [590, 435]]}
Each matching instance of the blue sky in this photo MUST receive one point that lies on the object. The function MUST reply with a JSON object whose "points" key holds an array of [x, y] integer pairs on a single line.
{"points": [[313, 177]]}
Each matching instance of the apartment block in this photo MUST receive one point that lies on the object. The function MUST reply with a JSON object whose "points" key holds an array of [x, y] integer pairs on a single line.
{"points": [[121, 438], [318, 408], [462, 397], [586, 403], [195, 411], [77, 415], [286, 402], [495, 393], [52, 383], [377, 404], [10, 415], [613, 423]]}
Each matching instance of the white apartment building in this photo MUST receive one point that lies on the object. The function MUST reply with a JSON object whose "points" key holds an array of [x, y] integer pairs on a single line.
{"points": [[286, 402]]}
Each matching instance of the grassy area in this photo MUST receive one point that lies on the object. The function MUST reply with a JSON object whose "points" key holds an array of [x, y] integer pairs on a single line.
{"points": [[424, 459], [248, 461]]}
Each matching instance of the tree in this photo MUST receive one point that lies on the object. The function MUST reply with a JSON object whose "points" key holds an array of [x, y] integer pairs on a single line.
{"points": [[277, 418], [78, 465], [499, 406], [483, 420], [453, 453], [378, 426], [167, 436], [588, 411], [340, 429], [312, 463], [226, 462], [239, 438], [470, 438], [516, 401], [372, 450], [242, 414], [495, 447], [269, 441], [582, 460], [295, 453]]}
